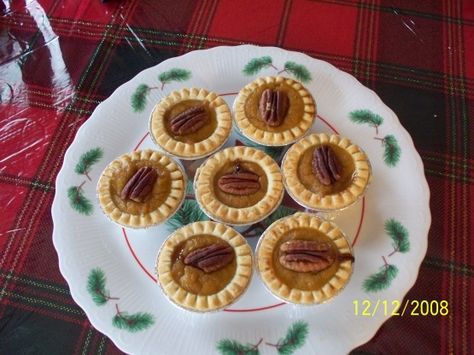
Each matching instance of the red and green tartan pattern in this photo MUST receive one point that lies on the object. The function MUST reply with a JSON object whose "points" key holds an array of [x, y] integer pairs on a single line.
{"points": [[418, 56]]}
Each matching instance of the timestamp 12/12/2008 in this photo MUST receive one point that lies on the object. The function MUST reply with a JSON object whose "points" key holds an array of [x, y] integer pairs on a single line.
{"points": [[416, 308]]}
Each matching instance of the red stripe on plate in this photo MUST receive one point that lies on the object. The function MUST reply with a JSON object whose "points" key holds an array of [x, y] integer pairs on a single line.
{"points": [[360, 222], [255, 309], [136, 257], [328, 124], [141, 141]]}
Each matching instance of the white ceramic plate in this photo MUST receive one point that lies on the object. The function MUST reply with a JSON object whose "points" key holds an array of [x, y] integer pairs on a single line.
{"points": [[110, 269]]}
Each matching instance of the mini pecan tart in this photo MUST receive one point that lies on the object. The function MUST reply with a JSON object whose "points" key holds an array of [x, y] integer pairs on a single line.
{"points": [[239, 185], [304, 259], [141, 189], [326, 172], [274, 111], [204, 266], [191, 123]]}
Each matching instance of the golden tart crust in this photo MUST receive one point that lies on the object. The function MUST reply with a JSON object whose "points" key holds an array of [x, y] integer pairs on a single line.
{"points": [[166, 197], [299, 119], [211, 302], [234, 213], [338, 199], [204, 142], [330, 284]]}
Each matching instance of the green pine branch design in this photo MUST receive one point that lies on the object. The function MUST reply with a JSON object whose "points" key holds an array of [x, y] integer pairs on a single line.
{"points": [[297, 70], [399, 235], [280, 212], [274, 152], [175, 74], [294, 339], [189, 188], [392, 150], [122, 320], [233, 347], [257, 64], [86, 161], [140, 94], [382, 279], [368, 117], [139, 97], [78, 201], [188, 213], [132, 322], [96, 287]]}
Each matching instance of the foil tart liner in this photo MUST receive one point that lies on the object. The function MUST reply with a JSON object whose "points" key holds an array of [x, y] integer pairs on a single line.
{"points": [[185, 182], [327, 211], [182, 157], [236, 225], [196, 311], [257, 269]]}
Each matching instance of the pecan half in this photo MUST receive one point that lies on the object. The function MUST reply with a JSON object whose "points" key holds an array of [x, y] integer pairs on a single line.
{"points": [[239, 182], [189, 121], [306, 255], [273, 107], [139, 185], [325, 165], [210, 258]]}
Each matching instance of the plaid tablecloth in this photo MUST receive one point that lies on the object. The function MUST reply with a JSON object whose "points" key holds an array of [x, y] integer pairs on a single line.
{"points": [[59, 59]]}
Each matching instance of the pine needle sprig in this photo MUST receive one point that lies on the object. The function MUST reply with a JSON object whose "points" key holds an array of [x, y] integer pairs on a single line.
{"points": [[298, 70], [257, 64], [188, 213], [78, 201], [233, 347], [280, 212], [86, 161], [189, 189], [96, 287], [132, 322], [381, 279], [368, 117], [293, 340], [175, 74], [139, 97], [399, 235], [392, 151]]}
